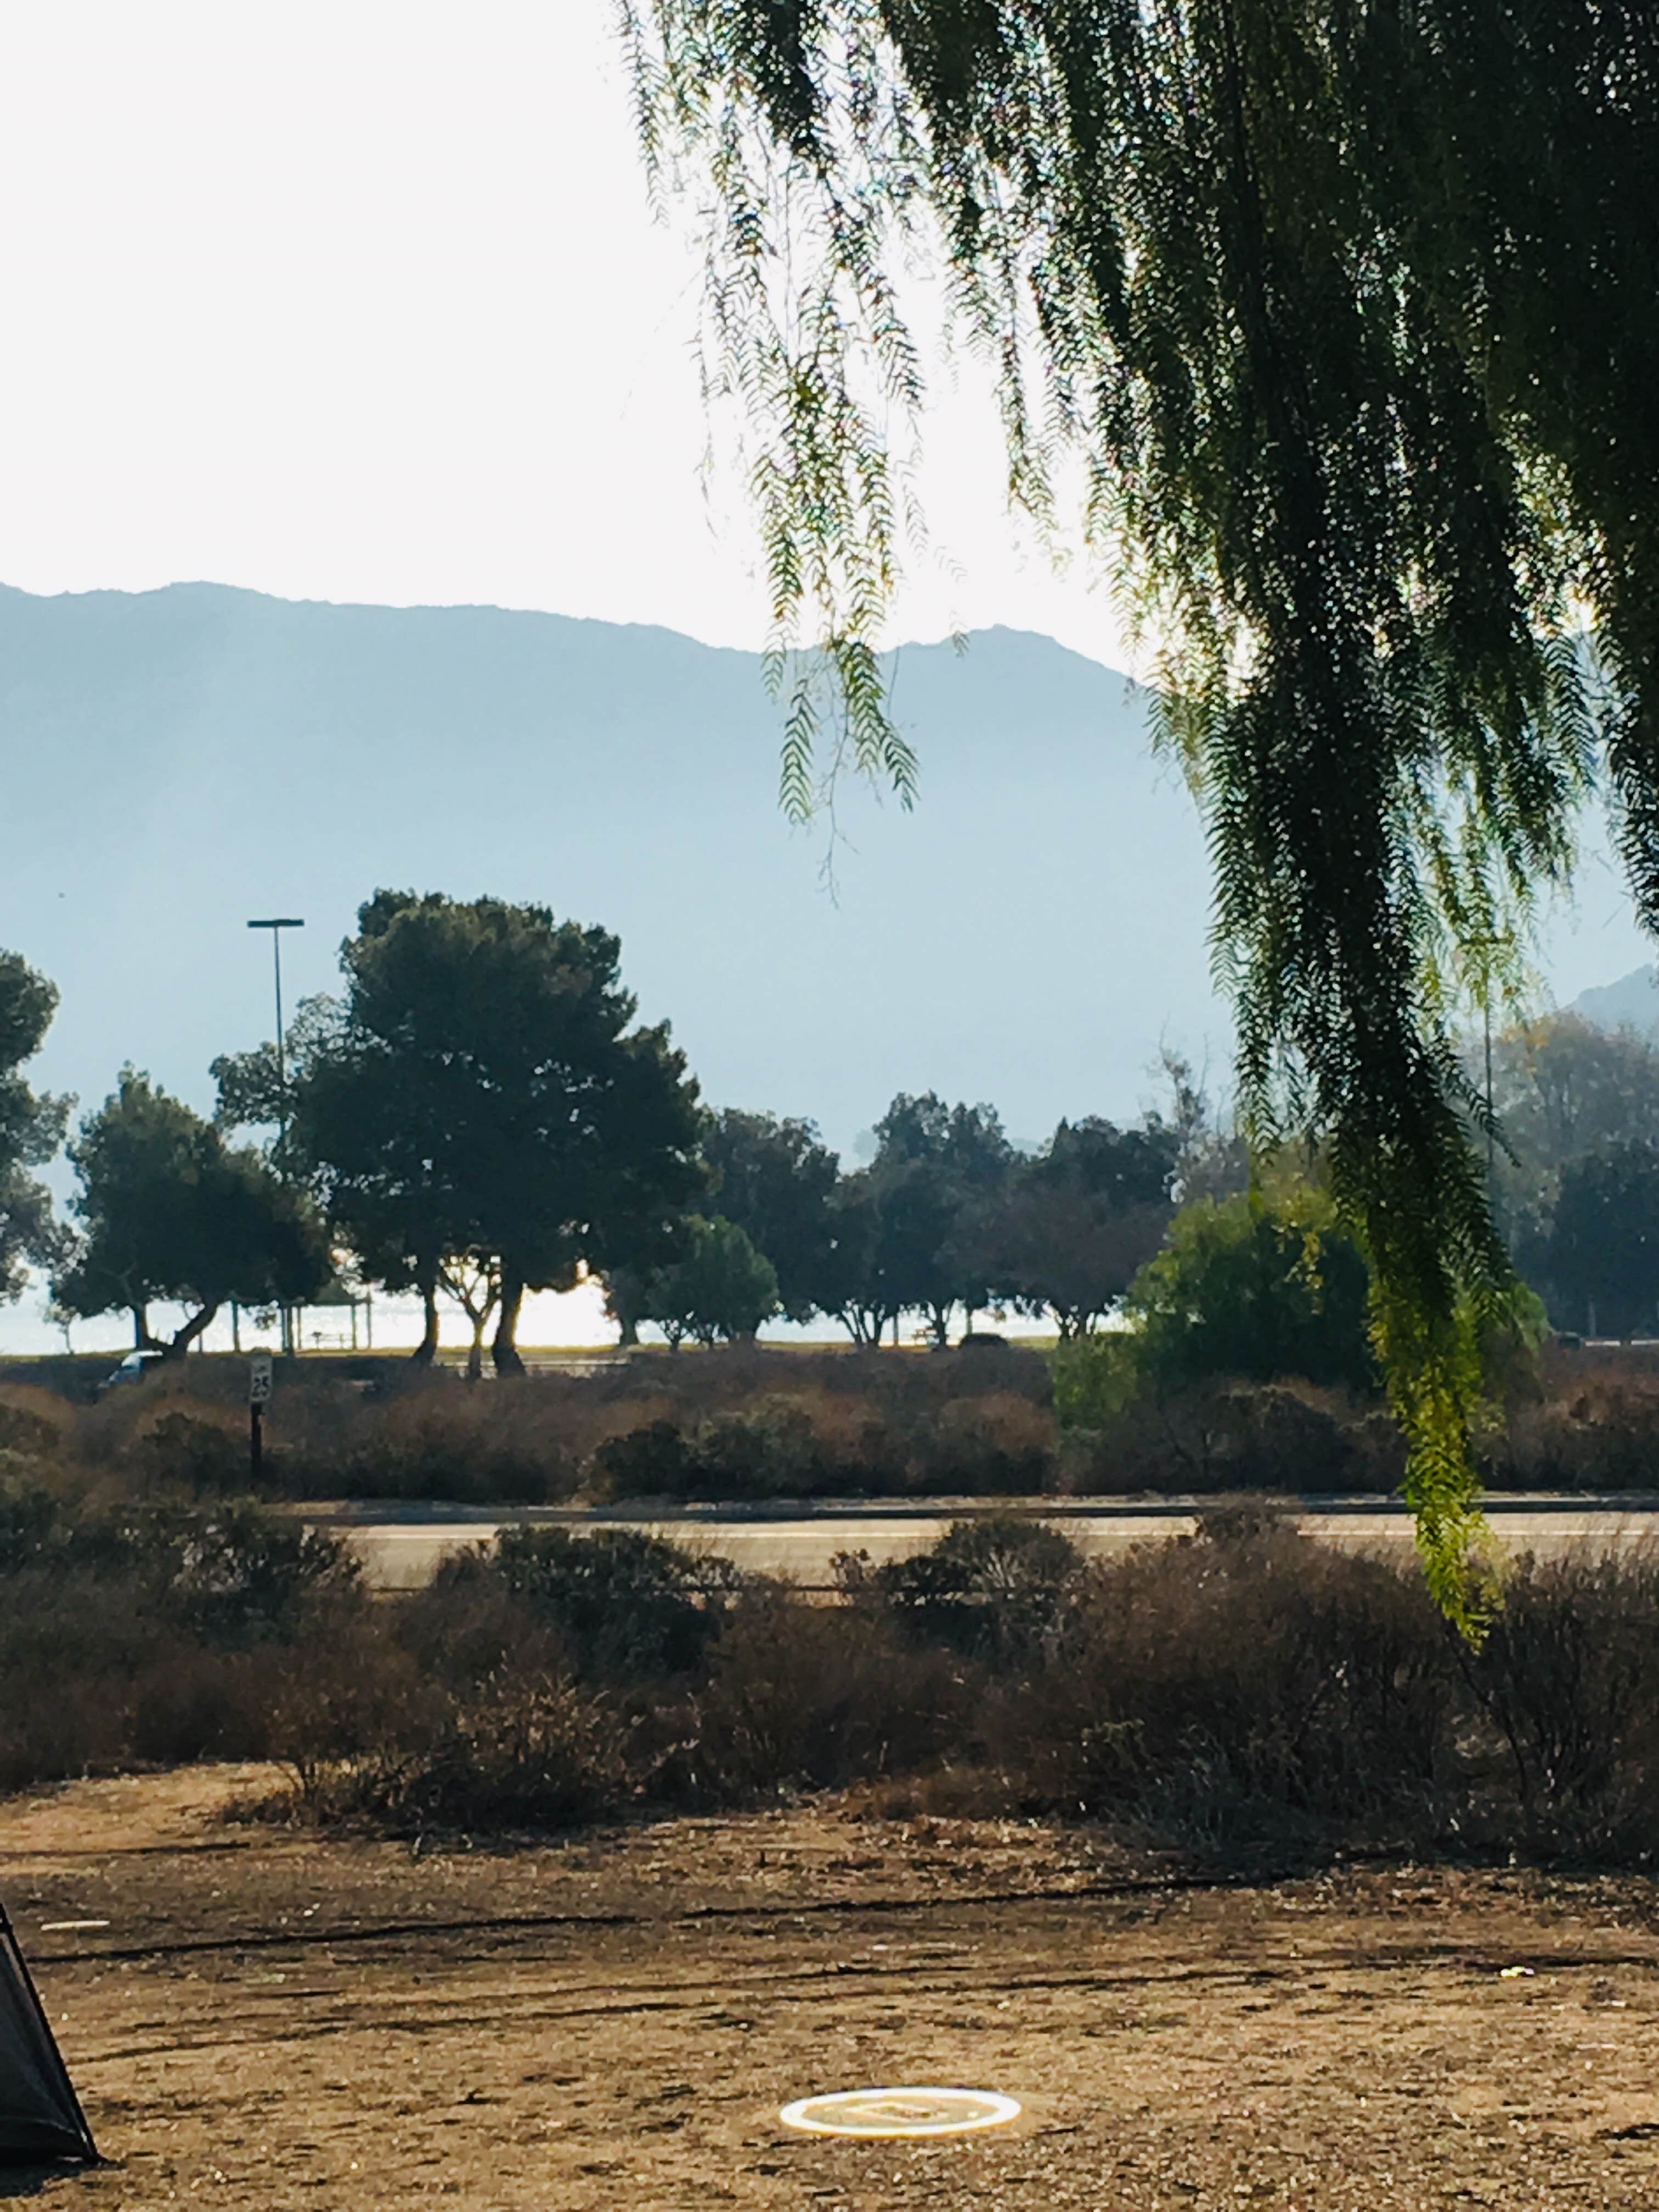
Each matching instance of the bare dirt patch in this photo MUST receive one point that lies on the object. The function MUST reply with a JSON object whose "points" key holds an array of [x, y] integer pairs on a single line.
{"points": [[271, 2020]]}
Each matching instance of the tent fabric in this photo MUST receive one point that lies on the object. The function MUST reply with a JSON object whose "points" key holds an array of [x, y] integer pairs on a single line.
{"points": [[40, 2116]]}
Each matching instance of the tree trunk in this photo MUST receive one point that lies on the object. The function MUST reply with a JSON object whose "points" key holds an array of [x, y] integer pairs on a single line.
{"points": [[143, 1338], [187, 1335], [427, 1349], [475, 1351], [505, 1349]]}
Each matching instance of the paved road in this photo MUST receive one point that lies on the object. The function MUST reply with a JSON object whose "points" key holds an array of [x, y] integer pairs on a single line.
{"points": [[403, 1552]]}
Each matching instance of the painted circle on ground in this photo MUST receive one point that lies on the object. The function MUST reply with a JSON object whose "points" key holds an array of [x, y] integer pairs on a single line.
{"points": [[906, 2110]]}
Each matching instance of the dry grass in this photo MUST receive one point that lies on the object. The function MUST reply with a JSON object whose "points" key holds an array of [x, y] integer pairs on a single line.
{"points": [[762, 1422], [739, 1422]]}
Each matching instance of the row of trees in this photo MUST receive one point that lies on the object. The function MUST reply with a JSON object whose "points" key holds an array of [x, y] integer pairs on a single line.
{"points": [[947, 1218], [477, 1115], [474, 1114]]}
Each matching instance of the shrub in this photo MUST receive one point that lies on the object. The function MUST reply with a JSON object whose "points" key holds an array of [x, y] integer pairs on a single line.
{"points": [[1237, 1435], [435, 1437], [994, 1443], [30, 1520], [768, 1450], [466, 1625], [1095, 1378], [195, 1449], [1569, 1677], [1251, 1290], [995, 1588], [356, 1703], [997, 1445], [524, 1752], [812, 1696], [1589, 1421], [743, 1420], [33, 1423], [233, 1573], [655, 1460], [241, 1576], [149, 1632], [626, 1604], [1245, 1685]]}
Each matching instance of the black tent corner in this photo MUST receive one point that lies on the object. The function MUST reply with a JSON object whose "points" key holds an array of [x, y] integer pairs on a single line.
{"points": [[40, 2114]]}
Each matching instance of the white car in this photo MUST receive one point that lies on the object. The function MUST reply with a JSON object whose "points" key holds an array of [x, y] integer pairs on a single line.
{"points": [[133, 1369]]}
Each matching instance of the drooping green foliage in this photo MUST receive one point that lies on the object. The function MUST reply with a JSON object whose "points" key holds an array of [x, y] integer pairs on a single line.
{"points": [[1349, 308]]}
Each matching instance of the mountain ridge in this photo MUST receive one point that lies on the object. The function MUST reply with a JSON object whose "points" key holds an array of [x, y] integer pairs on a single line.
{"points": [[1630, 1002], [184, 757], [180, 759]]}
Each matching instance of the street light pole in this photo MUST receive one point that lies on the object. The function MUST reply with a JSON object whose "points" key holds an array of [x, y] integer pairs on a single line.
{"points": [[276, 924], [1485, 947], [1491, 1159]]}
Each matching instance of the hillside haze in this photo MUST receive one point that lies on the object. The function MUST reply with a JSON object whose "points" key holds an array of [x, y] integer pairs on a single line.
{"points": [[1631, 1003], [183, 759]]}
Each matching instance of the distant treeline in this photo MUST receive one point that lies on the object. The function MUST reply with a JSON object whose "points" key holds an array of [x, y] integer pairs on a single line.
{"points": [[477, 1113]]}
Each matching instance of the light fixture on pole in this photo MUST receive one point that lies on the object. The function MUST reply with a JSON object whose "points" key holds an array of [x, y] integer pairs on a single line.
{"points": [[276, 924]]}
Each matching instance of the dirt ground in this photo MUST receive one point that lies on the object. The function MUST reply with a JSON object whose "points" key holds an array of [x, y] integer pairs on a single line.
{"points": [[272, 2022]]}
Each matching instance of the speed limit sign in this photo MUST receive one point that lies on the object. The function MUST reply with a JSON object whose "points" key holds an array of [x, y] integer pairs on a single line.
{"points": [[259, 1379]]}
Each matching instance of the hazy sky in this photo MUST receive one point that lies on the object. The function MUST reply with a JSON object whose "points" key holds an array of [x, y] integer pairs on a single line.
{"points": [[365, 301]]}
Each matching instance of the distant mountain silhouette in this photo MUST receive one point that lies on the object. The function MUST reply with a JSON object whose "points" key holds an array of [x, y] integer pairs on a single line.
{"points": [[178, 760], [1631, 1003]]}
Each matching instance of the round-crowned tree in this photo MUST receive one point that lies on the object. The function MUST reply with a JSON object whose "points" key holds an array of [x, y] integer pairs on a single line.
{"points": [[478, 1109], [168, 1211]]}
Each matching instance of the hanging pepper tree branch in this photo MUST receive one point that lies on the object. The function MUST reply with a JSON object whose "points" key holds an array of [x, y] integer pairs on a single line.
{"points": [[1350, 308]]}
